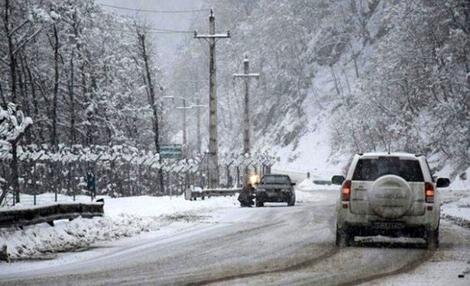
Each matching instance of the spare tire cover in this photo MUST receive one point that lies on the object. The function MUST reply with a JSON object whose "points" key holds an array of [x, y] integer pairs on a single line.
{"points": [[390, 197]]}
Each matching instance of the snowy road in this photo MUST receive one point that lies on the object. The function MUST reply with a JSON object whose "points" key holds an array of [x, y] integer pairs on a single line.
{"points": [[258, 246]]}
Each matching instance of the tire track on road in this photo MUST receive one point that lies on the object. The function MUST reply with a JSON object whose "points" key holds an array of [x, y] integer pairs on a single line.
{"points": [[408, 267], [294, 267]]}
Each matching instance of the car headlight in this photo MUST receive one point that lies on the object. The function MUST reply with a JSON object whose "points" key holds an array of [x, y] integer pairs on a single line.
{"points": [[253, 179]]}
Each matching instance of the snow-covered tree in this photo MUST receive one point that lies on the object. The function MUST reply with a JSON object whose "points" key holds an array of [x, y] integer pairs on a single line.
{"points": [[13, 125], [394, 74]]}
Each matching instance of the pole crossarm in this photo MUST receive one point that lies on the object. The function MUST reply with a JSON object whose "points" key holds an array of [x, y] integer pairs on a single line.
{"points": [[209, 36], [256, 75]]}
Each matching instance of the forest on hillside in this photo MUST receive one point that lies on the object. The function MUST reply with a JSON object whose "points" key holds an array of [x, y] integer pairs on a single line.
{"points": [[395, 75], [387, 75]]}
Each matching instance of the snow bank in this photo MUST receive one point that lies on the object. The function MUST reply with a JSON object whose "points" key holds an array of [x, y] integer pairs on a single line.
{"points": [[458, 212], [315, 196], [162, 206], [41, 241], [461, 182], [309, 185], [124, 217], [306, 185]]}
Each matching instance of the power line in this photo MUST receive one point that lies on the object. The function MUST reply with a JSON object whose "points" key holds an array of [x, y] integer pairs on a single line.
{"points": [[159, 30], [156, 11], [154, 31]]}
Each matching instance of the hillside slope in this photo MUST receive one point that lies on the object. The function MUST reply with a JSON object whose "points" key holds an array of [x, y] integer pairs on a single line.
{"points": [[343, 77]]}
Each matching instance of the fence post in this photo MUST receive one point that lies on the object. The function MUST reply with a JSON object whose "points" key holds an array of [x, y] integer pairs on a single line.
{"points": [[238, 176], [60, 176], [55, 183], [129, 185], [169, 182], [33, 183]]}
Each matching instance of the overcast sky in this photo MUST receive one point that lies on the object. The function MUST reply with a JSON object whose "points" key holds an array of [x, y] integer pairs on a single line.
{"points": [[166, 44]]}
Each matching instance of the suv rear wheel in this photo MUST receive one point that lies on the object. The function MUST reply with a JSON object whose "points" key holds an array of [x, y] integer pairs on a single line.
{"points": [[291, 201], [432, 239], [343, 238], [259, 204]]}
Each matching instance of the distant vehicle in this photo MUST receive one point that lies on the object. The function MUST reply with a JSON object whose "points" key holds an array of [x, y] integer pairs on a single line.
{"points": [[275, 188], [391, 195]]}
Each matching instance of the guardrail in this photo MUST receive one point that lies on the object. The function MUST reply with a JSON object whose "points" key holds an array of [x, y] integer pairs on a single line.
{"points": [[48, 214], [323, 182], [193, 195]]}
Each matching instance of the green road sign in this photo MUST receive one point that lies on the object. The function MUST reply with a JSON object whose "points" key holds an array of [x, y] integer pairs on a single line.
{"points": [[172, 151]]}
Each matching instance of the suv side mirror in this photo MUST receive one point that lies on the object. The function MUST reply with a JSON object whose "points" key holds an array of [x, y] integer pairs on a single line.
{"points": [[442, 183], [338, 180], [292, 184]]}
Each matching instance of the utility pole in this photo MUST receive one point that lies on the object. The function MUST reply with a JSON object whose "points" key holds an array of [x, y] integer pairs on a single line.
{"points": [[198, 118], [213, 144], [246, 75], [185, 107], [198, 127], [185, 137]]}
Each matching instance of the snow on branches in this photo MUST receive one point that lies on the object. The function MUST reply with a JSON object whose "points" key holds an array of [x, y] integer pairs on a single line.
{"points": [[13, 124]]}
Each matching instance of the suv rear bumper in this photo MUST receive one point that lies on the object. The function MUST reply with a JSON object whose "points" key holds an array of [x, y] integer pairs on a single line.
{"points": [[369, 225], [372, 230]]}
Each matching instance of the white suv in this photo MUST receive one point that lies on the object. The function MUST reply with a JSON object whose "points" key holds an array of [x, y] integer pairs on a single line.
{"points": [[388, 194]]}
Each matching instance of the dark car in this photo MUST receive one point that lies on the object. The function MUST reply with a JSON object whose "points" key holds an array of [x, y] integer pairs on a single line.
{"points": [[276, 189]]}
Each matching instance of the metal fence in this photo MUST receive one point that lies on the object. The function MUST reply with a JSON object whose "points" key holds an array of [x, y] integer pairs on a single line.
{"points": [[117, 171]]}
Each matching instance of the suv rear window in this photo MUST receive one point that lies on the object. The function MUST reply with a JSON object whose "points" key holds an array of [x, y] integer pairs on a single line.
{"points": [[275, 180], [372, 169]]}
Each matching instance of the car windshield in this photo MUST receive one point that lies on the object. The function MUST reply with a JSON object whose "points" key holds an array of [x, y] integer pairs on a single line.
{"points": [[372, 169], [275, 180]]}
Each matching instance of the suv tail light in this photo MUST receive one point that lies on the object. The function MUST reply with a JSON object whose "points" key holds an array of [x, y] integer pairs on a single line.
{"points": [[346, 190], [429, 192]]}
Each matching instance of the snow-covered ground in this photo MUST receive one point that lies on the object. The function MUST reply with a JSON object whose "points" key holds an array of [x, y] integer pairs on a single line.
{"points": [[146, 206], [124, 217], [138, 222], [216, 240], [458, 211], [309, 185], [456, 201]]}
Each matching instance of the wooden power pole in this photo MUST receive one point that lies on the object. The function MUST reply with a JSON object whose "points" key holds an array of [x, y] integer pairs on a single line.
{"points": [[246, 75], [213, 144]]}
